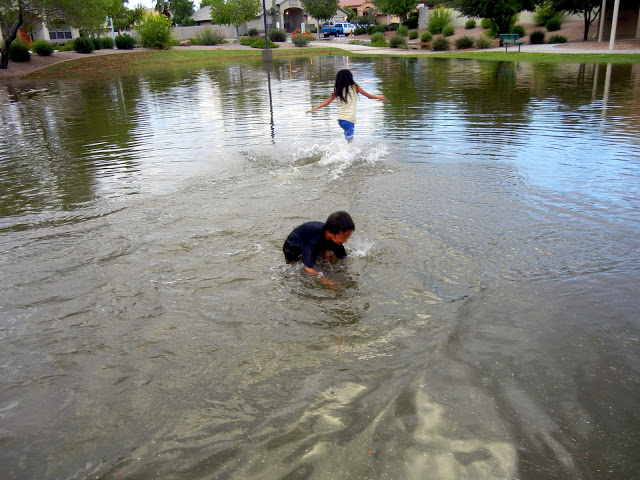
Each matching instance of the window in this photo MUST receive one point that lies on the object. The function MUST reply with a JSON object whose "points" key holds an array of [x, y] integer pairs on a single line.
{"points": [[60, 33]]}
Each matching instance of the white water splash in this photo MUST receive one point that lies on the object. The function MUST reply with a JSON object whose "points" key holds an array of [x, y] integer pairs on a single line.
{"points": [[340, 155]]}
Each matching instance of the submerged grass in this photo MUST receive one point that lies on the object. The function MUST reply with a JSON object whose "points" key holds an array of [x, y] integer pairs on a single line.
{"points": [[137, 61]]}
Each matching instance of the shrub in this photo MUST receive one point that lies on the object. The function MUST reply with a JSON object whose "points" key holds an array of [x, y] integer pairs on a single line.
{"points": [[536, 37], [83, 45], [155, 31], [359, 31], [277, 35], [439, 18], [300, 39], [96, 43], [403, 31], [247, 41], [125, 42], [209, 36], [426, 37], [519, 29], [107, 43], [413, 34], [440, 43], [252, 32], [18, 51], [483, 42], [378, 40], [448, 31], [471, 23], [464, 42], [543, 13], [398, 41], [558, 39], [554, 24], [42, 48], [485, 23], [258, 42], [392, 27]]}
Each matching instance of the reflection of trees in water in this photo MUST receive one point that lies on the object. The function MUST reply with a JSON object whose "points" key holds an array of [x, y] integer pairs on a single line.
{"points": [[58, 138]]}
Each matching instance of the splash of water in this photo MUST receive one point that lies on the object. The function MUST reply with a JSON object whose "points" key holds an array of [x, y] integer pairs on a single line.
{"points": [[339, 155]]}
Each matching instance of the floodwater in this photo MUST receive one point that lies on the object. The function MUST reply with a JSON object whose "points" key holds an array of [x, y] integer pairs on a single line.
{"points": [[484, 326]]}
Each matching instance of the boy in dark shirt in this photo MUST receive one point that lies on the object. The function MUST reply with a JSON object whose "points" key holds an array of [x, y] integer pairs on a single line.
{"points": [[311, 239]]}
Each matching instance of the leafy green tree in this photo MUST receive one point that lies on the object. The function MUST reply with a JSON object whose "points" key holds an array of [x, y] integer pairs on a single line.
{"points": [[396, 7], [234, 12], [500, 12], [123, 17], [14, 14], [320, 9], [181, 11], [589, 9]]}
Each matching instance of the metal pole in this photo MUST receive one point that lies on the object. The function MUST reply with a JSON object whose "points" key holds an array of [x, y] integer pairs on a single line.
{"points": [[603, 9], [614, 24], [266, 53]]}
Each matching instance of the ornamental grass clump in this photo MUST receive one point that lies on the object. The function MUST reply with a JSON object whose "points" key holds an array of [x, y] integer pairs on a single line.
{"points": [[558, 39], [440, 44], [463, 42], [378, 40], [483, 42], [536, 37], [399, 41]]}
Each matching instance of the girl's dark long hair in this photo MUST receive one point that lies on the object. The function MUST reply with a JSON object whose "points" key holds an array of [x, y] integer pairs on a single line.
{"points": [[344, 79]]}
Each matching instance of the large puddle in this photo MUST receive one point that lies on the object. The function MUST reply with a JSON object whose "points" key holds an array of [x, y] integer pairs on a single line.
{"points": [[485, 325]]}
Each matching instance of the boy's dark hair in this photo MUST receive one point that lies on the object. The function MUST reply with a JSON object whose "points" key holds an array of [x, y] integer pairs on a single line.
{"points": [[339, 222], [344, 79]]}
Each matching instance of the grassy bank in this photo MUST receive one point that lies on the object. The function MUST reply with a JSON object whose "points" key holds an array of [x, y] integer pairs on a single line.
{"points": [[136, 61], [503, 56]]}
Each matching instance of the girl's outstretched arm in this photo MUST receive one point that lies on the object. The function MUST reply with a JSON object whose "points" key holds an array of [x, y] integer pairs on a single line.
{"points": [[359, 89], [325, 103]]}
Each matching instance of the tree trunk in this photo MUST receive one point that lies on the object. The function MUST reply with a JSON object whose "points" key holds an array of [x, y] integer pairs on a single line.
{"points": [[4, 62], [587, 23]]}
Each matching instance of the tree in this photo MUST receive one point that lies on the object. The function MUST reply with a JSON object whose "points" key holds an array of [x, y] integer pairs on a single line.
{"points": [[501, 12], [320, 9], [88, 14], [589, 9], [123, 17], [181, 11], [396, 7], [234, 12]]}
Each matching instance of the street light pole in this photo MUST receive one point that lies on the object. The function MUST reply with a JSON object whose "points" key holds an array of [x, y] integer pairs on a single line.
{"points": [[266, 53]]}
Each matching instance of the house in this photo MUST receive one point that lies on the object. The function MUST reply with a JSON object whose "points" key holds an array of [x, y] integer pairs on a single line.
{"points": [[291, 15], [288, 15], [368, 8]]}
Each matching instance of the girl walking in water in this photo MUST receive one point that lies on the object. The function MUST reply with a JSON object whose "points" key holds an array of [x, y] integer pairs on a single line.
{"points": [[347, 90]]}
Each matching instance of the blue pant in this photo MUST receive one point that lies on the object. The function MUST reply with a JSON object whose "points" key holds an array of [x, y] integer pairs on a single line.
{"points": [[348, 128]]}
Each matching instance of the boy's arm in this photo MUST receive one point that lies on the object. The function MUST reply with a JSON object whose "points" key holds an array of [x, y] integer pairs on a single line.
{"points": [[324, 104], [359, 89]]}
